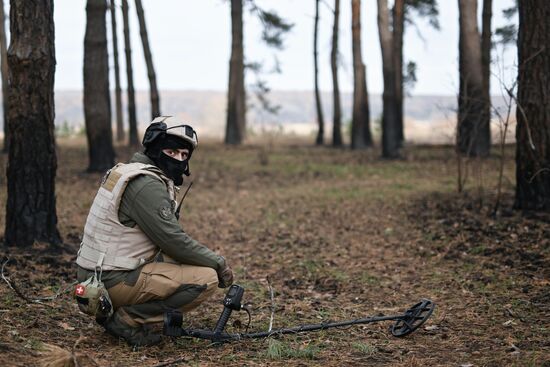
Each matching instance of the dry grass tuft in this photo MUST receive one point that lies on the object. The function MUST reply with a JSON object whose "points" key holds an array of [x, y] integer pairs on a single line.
{"points": [[55, 356]]}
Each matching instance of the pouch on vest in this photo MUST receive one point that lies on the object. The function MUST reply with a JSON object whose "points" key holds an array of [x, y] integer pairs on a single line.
{"points": [[93, 298]]}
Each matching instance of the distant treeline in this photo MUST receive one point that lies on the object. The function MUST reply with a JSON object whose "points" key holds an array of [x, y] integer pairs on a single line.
{"points": [[207, 108]]}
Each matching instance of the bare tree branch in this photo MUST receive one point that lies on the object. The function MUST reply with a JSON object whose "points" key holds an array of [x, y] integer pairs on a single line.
{"points": [[272, 307], [324, 2], [538, 173], [522, 111]]}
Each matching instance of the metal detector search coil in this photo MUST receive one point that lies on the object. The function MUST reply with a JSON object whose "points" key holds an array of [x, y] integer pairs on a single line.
{"points": [[404, 324]]}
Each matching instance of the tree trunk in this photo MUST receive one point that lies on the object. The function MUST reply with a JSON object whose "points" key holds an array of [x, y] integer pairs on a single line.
{"points": [[32, 163], [486, 63], [320, 119], [118, 93], [132, 120], [4, 72], [533, 112], [236, 109], [360, 131], [390, 125], [398, 29], [154, 93], [337, 113], [473, 135], [97, 104]]}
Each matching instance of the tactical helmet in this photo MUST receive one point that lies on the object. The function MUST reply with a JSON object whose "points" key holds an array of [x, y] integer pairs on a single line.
{"points": [[168, 127]]}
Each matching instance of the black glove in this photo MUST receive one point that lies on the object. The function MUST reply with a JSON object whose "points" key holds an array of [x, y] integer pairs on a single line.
{"points": [[225, 275]]}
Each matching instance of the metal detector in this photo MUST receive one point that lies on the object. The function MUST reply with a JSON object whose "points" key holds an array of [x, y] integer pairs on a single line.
{"points": [[404, 324]]}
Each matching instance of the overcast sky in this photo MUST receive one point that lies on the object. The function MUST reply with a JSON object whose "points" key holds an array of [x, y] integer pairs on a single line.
{"points": [[190, 40]]}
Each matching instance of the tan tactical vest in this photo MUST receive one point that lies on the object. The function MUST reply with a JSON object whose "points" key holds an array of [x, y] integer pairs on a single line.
{"points": [[107, 243]]}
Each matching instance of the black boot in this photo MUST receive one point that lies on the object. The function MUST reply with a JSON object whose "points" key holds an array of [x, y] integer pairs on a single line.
{"points": [[134, 336]]}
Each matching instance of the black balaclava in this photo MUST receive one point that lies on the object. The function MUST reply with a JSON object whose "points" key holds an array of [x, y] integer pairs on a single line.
{"points": [[172, 167]]}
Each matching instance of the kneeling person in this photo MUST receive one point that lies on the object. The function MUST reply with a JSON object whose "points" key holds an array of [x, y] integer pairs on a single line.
{"points": [[133, 240]]}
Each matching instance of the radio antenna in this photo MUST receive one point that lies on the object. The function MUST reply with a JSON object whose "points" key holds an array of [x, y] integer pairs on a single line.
{"points": [[183, 198]]}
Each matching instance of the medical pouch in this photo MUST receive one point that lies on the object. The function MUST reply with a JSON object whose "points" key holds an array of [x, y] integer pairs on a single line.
{"points": [[93, 299]]}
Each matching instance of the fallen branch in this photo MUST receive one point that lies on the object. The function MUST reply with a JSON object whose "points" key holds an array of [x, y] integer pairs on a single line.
{"points": [[59, 292], [38, 300], [13, 286], [171, 363]]}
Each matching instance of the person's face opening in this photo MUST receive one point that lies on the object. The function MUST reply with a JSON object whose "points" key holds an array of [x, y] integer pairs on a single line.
{"points": [[179, 154]]}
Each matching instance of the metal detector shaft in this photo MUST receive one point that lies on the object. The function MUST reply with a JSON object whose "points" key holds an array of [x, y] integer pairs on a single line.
{"points": [[314, 327], [225, 337]]}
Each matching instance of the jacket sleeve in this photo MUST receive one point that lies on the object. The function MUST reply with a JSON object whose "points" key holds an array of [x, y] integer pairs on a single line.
{"points": [[146, 201]]}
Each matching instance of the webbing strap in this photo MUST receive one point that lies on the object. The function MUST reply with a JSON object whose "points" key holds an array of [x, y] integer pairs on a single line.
{"points": [[100, 260], [98, 265]]}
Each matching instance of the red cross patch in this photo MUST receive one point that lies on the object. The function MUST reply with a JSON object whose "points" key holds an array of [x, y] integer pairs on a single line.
{"points": [[80, 290]]}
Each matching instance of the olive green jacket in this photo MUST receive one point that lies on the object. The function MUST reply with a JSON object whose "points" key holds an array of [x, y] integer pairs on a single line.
{"points": [[146, 203]]}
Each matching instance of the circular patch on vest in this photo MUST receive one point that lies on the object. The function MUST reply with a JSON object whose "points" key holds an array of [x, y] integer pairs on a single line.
{"points": [[165, 212]]}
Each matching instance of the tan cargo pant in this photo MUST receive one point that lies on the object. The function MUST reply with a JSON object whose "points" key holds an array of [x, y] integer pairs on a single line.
{"points": [[162, 286]]}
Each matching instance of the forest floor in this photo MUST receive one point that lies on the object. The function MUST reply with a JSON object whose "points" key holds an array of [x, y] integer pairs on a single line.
{"points": [[341, 235]]}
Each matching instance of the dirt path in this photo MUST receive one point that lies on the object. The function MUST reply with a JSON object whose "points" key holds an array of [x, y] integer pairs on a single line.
{"points": [[341, 235]]}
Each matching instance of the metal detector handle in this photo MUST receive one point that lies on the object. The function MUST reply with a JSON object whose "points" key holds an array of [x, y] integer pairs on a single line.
{"points": [[232, 301], [222, 321]]}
